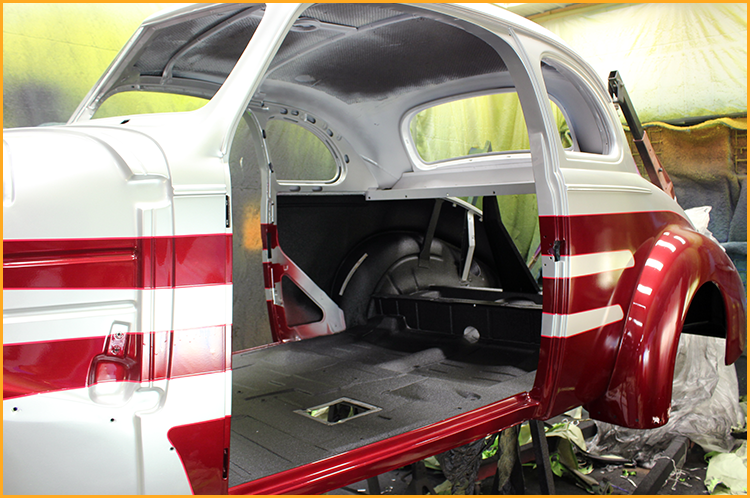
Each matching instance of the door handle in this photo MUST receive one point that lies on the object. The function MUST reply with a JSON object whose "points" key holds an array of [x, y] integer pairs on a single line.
{"points": [[114, 374]]}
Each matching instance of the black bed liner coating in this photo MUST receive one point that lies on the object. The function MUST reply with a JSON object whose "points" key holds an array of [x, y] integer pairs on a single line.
{"points": [[415, 377]]}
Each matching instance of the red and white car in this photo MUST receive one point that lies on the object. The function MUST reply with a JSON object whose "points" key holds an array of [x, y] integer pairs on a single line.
{"points": [[325, 191]]}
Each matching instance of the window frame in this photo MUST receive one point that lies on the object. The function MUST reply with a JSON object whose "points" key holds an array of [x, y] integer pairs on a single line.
{"points": [[595, 107], [478, 159]]}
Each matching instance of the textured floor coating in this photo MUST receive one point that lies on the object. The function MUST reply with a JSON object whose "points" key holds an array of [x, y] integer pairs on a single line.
{"points": [[415, 380]]}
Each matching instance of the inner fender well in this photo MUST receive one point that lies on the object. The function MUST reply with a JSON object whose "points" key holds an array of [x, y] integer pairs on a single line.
{"points": [[387, 263], [706, 315]]}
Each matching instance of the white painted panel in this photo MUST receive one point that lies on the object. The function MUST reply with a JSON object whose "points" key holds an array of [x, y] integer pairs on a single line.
{"points": [[156, 310], [84, 448], [93, 449], [205, 306], [75, 186], [189, 400], [200, 214], [35, 315], [50, 315], [577, 323], [15, 299], [592, 264], [593, 191]]}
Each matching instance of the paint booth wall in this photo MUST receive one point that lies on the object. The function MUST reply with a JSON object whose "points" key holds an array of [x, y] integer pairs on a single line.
{"points": [[677, 60], [54, 53]]}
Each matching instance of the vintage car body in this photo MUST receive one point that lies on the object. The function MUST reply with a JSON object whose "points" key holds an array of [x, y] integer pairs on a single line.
{"points": [[122, 235]]}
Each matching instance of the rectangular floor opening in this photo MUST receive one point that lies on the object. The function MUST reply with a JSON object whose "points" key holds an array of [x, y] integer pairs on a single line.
{"points": [[336, 412]]}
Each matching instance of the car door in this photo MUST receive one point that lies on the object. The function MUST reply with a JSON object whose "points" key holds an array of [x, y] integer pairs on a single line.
{"points": [[89, 282]]}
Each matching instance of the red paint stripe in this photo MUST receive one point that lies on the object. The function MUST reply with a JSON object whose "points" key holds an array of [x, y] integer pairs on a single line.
{"points": [[40, 367], [36, 368], [592, 291], [594, 233], [117, 263], [268, 275], [202, 260], [582, 371], [272, 274], [26, 262], [588, 234]]}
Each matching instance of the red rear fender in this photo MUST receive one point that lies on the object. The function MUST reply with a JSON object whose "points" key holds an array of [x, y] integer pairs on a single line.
{"points": [[680, 263]]}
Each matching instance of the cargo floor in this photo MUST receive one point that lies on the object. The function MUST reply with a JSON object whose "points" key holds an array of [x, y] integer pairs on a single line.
{"points": [[415, 379]]}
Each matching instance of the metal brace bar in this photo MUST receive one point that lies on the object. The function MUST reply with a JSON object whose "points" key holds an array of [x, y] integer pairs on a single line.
{"points": [[656, 172], [424, 255], [373, 486], [472, 244]]}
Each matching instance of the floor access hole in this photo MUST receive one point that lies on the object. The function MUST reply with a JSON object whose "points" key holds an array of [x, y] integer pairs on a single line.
{"points": [[338, 411]]}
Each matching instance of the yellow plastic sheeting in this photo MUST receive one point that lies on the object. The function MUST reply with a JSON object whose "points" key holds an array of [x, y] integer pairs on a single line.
{"points": [[476, 125], [54, 53], [677, 60], [488, 123]]}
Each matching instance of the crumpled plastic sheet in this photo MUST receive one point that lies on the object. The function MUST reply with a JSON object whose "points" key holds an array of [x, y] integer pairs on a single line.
{"points": [[700, 217], [705, 407], [727, 472]]}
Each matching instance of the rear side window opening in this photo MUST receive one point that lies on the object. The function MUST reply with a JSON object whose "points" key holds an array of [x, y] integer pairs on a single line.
{"points": [[156, 80], [144, 102], [298, 154]]}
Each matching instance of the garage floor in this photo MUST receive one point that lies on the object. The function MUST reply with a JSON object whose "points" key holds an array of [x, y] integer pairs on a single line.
{"points": [[687, 481]]}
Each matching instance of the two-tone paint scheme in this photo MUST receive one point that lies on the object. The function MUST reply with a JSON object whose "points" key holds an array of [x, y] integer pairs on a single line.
{"points": [[117, 260]]}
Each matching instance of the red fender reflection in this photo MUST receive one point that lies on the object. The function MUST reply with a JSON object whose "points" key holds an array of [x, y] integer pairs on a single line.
{"points": [[681, 261]]}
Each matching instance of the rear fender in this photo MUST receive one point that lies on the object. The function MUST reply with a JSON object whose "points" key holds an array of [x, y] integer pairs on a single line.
{"points": [[680, 263]]}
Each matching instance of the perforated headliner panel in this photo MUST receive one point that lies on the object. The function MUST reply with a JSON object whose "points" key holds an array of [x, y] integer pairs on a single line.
{"points": [[374, 64], [359, 52], [223, 47]]}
